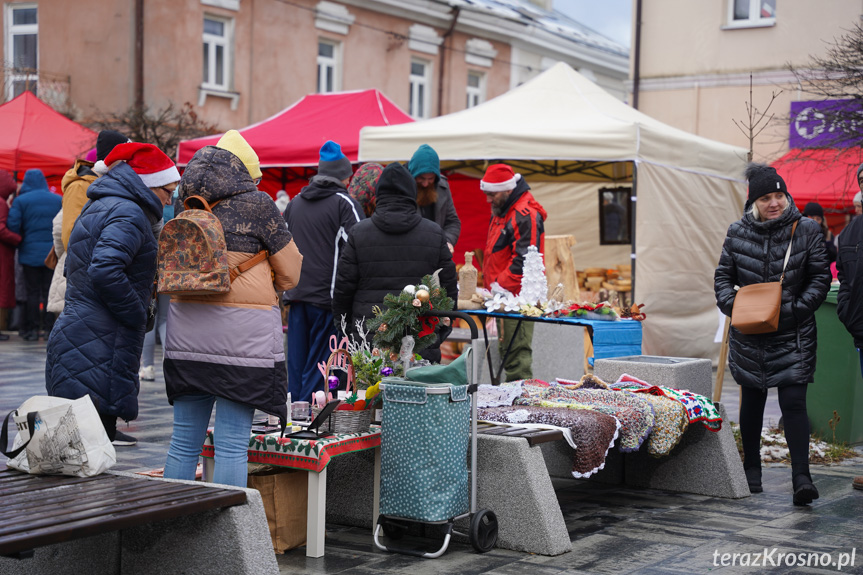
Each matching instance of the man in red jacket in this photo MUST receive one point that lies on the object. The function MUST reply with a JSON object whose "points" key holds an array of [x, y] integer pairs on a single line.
{"points": [[517, 222]]}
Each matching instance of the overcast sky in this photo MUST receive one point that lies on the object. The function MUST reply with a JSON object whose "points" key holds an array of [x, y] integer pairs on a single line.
{"points": [[612, 18]]}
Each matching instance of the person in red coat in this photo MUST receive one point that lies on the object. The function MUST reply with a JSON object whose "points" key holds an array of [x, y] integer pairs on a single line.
{"points": [[517, 222], [8, 241]]}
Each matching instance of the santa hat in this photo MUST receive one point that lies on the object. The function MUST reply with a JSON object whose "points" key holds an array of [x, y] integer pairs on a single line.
{"points": [[150, 163], [499, 178]]}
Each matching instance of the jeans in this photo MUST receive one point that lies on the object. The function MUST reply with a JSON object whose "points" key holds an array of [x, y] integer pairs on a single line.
{"points": [[309, 331], [231, 436], [161, 324]]}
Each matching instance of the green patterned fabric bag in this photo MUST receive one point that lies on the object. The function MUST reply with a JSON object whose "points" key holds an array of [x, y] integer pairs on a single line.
{"points": [[424, 445]]}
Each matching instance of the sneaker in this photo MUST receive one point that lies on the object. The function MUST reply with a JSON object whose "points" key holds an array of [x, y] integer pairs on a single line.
{"points": [[147, 373], [123, 440], [857, 483]]}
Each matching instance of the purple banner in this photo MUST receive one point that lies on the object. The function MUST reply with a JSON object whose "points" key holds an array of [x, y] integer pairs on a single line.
{"points": [[826, 124]]}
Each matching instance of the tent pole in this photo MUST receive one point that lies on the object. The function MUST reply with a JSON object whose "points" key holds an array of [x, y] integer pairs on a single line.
{"points": [[632, 254]]}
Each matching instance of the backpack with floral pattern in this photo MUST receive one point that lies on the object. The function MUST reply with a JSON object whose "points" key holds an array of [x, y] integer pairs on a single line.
{"points": [[193, 256]]}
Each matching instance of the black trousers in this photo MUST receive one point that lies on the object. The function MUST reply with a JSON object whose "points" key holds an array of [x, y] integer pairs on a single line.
{"points": [[37, 281], [792, 402]]}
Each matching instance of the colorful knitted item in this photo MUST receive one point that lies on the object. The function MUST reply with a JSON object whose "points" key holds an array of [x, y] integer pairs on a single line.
{"points": [[588, 381], [698, 408], [671, 422], [497, 395], [635, 415], [593, 433]]}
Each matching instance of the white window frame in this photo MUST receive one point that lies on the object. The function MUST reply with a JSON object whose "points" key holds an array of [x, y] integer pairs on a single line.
{"points": [[475, 94], [416, 83], [13, 30], [334, 62], [755, 20], [227, 42]]}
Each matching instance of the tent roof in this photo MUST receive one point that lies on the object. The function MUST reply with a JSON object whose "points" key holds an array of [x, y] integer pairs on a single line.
{"points": [[294, 136], [34, 135], [557, 125], [825, 175]]}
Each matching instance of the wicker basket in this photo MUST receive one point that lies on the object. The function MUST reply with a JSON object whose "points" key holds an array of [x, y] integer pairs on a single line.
{"points": [[343, 421]]}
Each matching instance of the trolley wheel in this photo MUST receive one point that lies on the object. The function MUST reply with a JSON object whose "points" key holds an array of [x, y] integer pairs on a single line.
{"points": [[392, 529], [483, 530]]}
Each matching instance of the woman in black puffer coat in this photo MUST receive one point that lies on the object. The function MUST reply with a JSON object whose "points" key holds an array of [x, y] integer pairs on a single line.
{"points": [[754, 252], [393, 248]]}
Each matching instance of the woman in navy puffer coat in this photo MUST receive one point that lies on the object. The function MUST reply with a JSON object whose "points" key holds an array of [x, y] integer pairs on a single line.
{"points": [[95, 347]]}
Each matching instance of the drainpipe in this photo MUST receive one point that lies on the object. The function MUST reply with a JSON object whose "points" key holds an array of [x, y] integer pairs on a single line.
{"points": [[636, 74], [139, 54], [443, 47]]}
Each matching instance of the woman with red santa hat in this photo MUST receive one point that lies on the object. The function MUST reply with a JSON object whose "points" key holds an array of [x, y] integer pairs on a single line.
{"points": [[95, 346]]}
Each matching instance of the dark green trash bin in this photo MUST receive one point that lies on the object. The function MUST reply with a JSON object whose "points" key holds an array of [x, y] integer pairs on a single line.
{"points": [[838, 384]]}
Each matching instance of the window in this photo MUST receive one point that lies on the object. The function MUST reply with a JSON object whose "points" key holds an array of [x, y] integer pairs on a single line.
{"points": [[217, 53], [420, 89], [614, 216], [22, 49], [328, 67], [475, 89], [745, 13]]}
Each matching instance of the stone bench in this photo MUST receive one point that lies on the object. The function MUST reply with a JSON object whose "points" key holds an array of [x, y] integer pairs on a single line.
{"points": [[125, 524]]}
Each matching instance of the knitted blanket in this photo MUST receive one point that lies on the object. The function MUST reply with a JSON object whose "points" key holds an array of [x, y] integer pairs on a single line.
{"points": [[593, 432], [635, 415], [671, 422], [699, 409]]}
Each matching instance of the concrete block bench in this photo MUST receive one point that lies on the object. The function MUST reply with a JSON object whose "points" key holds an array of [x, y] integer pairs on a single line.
{"points": [[125, 524]]}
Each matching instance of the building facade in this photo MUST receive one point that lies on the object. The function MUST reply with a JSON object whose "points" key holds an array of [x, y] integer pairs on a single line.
{"points": [[695, 60], [240, 61]]}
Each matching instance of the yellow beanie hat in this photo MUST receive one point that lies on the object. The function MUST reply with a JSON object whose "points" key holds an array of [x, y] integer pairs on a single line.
{"points": [[234, 142]]}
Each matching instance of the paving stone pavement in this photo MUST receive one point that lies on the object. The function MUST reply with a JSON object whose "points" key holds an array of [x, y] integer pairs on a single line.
{"points": [[613, 529]]}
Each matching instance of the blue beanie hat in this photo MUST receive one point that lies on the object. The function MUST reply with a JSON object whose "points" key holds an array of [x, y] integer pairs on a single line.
{"points": [[333, 162]]}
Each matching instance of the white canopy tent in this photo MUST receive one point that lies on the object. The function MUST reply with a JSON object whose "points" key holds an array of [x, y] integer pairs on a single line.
{"points": [[568, 138]]}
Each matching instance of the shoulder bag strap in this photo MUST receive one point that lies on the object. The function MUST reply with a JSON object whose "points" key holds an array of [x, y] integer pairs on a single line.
{"points": [[788, 251]]}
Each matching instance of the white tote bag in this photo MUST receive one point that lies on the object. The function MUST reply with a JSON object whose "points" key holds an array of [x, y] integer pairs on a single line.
{"points": [[58, 436]]}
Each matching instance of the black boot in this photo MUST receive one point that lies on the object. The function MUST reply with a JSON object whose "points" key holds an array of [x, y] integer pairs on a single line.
{"points": [[753, 478], [804, 490]]}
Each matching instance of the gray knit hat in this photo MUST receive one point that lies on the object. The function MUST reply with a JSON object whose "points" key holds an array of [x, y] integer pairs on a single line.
{"points": [[333, 162]]}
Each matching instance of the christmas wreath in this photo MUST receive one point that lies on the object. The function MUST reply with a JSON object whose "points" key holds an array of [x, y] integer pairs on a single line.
{"points": [[403, 315]]}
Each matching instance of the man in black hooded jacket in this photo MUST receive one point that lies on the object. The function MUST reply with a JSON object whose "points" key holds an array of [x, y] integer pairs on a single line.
{"points": [[394, 248]]}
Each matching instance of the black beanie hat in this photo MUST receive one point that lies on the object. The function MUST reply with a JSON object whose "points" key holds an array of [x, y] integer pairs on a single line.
{"points": [[106, 141], [813, 209], [763, 180]]}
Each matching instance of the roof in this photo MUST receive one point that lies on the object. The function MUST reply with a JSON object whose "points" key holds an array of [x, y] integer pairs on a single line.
{"points": [[34, 135], [294, 136], [550, 20]]}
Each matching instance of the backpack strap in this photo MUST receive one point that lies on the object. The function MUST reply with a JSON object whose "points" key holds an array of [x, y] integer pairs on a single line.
{"points": [[206, 205], [247, 265]]}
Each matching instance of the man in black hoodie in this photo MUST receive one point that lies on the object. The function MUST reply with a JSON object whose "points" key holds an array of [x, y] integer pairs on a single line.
{"points": [[394, 248], [320, 219]]}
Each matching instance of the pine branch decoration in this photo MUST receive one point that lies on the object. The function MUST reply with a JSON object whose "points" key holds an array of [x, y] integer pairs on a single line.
{"points": [[400, 317]]}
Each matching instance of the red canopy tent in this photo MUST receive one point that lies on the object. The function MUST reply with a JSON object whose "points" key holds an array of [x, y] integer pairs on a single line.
{"points": [[288, 146], [288, 143], [33, 135], [824, 175]]}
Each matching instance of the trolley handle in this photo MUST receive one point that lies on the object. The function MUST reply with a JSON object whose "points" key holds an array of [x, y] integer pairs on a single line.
{"points": [[474, 334]]}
